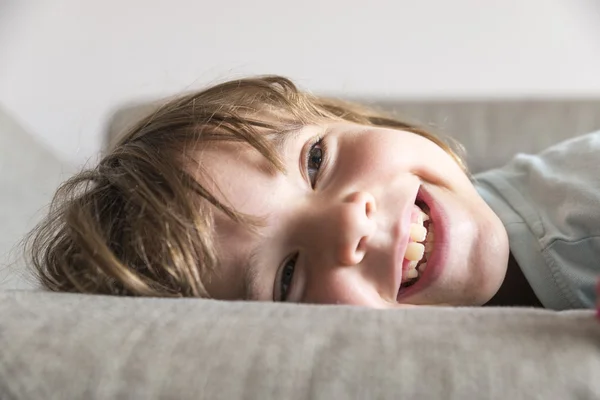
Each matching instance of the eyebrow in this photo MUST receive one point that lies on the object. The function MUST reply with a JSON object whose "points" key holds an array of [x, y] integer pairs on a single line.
{"points": [[283, 139], [251, 274]]}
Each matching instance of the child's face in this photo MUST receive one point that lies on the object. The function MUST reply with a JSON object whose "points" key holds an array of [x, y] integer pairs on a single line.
{"points": [[344, 241]]}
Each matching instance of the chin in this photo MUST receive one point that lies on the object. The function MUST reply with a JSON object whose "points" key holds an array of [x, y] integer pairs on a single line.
{"points": [[475, 283], [493, 259]]}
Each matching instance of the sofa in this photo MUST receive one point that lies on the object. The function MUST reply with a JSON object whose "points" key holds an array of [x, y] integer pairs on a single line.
{"points": [[71, 346]]}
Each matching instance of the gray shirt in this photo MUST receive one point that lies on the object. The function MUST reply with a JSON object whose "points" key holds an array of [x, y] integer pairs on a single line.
{"points": [[550, 206]]}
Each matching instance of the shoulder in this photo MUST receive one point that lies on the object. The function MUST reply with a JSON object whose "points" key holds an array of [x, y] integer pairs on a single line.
{"points": [[550, 204]]}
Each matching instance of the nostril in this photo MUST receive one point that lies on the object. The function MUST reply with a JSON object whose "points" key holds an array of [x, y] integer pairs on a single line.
{"points": [[362, 245]]}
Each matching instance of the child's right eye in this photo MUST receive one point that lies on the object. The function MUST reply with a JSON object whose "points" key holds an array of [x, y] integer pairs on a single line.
{"points": [[314, 158]]}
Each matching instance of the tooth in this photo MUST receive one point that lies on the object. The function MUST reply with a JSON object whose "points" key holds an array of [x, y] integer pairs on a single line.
{"points": [[418, 233], [423, 267], [414, 251], [412, 273], [419, 219], [412, 264], [424, 216]]}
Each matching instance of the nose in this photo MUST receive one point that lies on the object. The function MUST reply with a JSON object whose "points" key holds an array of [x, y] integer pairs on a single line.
{"points": [[354, 225]]}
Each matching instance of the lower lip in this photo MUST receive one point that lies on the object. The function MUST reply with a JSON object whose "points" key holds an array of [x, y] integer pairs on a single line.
{"points": [[435, 262]]}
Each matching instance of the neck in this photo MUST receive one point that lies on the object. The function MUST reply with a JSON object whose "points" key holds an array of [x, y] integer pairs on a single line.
{"points": [[515, 290]]}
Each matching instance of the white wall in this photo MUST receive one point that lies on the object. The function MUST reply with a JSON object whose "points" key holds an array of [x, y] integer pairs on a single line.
{"points": [[66, 64]]}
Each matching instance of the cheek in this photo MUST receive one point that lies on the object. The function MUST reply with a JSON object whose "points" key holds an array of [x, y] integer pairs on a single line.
{"points": [[375, 155], [435, 165], [339, 287], [405, 151]]}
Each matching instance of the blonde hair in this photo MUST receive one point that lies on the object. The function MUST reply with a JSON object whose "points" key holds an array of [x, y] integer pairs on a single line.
{"points": [[134, 225]]}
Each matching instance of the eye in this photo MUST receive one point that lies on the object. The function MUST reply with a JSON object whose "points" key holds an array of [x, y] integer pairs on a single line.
{"points": [[286, 278], [314, 158]]}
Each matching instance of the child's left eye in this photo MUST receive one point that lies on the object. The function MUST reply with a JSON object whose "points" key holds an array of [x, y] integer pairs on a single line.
{"points": [[287, 276], [314, 159]]}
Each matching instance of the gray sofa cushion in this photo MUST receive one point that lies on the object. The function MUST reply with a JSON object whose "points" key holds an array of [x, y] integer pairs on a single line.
{"points": [[64, 346], [29, 175], [492, 132]]}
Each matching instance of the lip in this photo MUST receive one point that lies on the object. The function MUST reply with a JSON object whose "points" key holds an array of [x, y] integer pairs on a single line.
{"points": [[435, 262]]}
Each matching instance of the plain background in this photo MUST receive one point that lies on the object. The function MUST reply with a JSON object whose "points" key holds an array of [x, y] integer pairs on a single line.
{"points": [[66, 65]]}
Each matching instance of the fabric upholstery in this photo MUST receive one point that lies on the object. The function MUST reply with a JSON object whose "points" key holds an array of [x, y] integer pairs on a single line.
{"points": [[66, 346], [29, 175], [491, 131]]}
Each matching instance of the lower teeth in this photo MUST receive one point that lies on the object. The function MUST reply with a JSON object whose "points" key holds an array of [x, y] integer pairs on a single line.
{"points": [[420, 271]]}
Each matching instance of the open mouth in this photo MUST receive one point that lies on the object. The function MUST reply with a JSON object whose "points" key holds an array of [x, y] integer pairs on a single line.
{"points": [[420, 246]]}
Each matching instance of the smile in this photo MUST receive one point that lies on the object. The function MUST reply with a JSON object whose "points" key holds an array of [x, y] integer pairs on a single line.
{"points": [[428, 256]]}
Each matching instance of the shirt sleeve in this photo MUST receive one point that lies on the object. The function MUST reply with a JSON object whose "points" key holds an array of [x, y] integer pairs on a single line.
{"points": [[550, 206]]}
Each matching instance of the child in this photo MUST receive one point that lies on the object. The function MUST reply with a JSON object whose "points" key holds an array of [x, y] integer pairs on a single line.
{"points": [[255, 190]]}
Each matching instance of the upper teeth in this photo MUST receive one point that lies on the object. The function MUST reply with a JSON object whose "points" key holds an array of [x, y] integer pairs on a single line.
{"points": [[415, 250], [418, 232], [422, 217]]}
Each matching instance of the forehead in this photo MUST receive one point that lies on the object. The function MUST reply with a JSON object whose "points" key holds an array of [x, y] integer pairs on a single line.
{"points": [[243, 179]]}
